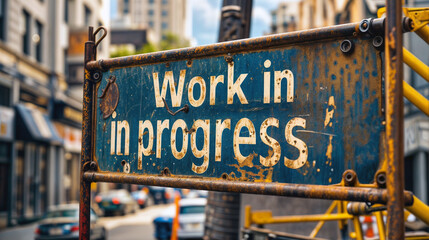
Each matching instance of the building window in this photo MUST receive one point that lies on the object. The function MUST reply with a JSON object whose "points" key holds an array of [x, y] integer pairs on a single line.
{"points": [[87, 16], [26, 33], [150, 12], [165, 2], [66, 11], [2, 19], [37, 39], [151, 1], [126, 6], [164, 13], [4, 96], [164, 26], [4, 175], [151, 24], [66, 65]]}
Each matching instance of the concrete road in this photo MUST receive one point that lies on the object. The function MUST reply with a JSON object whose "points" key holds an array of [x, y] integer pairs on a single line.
{"points": [[129, 227]]}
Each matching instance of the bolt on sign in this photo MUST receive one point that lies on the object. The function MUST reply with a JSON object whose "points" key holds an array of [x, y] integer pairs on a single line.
{"points": [[301, 113]]}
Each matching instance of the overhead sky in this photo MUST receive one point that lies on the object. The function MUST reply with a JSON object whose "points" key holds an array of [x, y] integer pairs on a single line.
{"points": [[204, 18]]}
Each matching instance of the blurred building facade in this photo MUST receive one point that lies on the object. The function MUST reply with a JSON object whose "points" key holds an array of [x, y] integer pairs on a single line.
{"points": [[40, 102], [306, 14], [158, 17]]}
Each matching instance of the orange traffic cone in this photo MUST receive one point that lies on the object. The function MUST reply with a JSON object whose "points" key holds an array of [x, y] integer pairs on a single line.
{"points": [[369, 230]]}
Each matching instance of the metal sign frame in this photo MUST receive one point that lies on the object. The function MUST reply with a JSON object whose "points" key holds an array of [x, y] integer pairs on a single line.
{"points": [[393, 196]]}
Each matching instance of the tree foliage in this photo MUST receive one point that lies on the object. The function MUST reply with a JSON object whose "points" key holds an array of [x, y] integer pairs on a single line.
{"points": [[169, 41]]}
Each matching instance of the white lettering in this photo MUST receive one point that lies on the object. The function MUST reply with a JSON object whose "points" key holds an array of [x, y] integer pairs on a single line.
{"points": [[235, 87], [205, 151], [123, 125], [161, 125], [274, 155], [213, 82], [200, 81], [220, 126], [296, 142], [278, 77], [176, 98], [179, 123], [251, 139], [142, 149]]}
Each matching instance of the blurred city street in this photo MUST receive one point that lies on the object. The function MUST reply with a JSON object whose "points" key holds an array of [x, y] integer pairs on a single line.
{"points": [[136, 226], [214, 119]]}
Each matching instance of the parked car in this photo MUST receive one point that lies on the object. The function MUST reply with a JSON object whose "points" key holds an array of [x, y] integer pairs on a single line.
{"points": [[115, 202], [191, 218], [197, 194], [163, 195], [141, 198], [163, 224], [62, 222]]}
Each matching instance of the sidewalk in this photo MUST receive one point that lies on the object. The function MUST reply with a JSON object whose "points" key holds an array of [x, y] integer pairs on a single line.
{"points": [[24, 232]]}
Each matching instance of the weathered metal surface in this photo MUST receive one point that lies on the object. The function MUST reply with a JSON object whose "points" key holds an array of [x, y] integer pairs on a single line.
{"points": [[109, 98], [303, 113], [87, 143], [360, 194], [394, 121], [333, 32]]}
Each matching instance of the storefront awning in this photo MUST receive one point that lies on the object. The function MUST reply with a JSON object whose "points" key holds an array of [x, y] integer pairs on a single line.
{"points": [[32, 125]]}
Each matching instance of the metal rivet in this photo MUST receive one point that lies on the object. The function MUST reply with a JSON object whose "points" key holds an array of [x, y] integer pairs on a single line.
{"points": [[228, 58], [381, 179], [377, 42], [96, 76], [347, 46], [349, 177], [165, 172], [93, 165], [365, 25]]}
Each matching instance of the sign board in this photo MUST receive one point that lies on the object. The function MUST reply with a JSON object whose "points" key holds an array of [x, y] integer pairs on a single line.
{"points": [[416, 134], [302, 113], [7, 119]]}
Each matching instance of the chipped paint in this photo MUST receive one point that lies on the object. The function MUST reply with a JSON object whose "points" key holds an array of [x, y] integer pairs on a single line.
{"points": [[329, 149], [330, 113], [256, 106]]}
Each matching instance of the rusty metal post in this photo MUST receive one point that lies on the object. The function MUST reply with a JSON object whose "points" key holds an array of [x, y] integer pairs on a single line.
{"points": [[235, 20], [223, 208], [87, 148], [394, 121]]}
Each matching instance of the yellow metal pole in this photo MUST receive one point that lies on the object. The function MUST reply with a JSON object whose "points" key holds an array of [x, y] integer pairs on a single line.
{"points": [[358, 234], [424, 33], [247, 216], [380, 225], [416, 98], [300, 218], [417, 65], [420, 210], [321, 223]]}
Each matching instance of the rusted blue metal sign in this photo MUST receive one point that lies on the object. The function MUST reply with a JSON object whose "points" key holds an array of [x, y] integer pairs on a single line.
{"points": [[303, 113]]}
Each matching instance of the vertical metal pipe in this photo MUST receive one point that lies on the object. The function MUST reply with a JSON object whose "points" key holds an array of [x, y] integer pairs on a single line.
{"points": [[394, 121], [87, 129], [234, 24]]}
